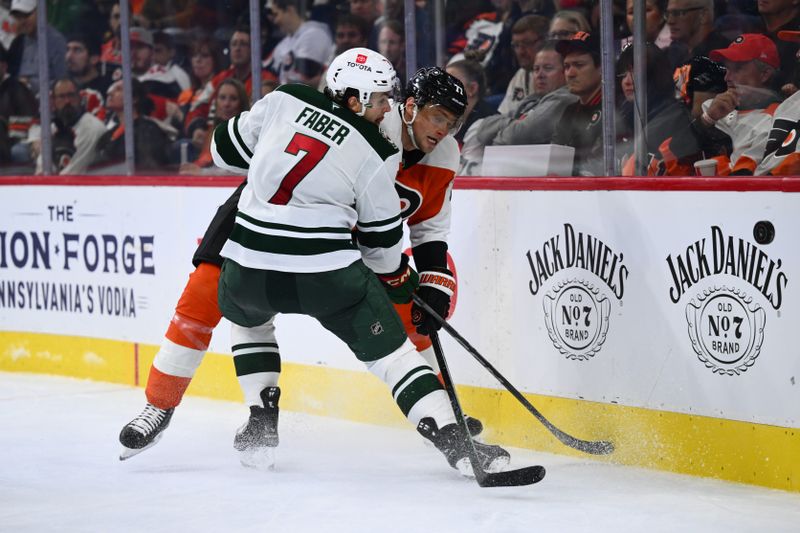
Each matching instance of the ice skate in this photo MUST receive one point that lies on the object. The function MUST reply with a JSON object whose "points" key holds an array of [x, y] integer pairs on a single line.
{"points": [[257, 439], [450, 442], [144, 431]]}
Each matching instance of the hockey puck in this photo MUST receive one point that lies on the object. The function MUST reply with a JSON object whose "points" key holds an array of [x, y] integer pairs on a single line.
{"points": [[764, 232]]}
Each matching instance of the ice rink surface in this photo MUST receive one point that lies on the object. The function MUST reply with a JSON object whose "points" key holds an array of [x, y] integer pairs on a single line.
{"points": [[59, 471]]}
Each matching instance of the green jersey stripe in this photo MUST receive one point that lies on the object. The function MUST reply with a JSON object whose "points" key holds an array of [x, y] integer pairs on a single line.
{"points": [[253, 363], [254, 345], [288, 227], [287, 245], [401, 383], [379, 223], [239, 139], [416, 390], [226, 150], [381, 239]]}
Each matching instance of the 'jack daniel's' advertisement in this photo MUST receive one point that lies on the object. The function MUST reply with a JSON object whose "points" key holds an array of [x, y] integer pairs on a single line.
{"points": [[577, 308], [726, 322]]}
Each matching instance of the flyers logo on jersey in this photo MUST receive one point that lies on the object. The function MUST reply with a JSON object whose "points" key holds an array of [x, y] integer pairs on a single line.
{"points": [[361, 59]]}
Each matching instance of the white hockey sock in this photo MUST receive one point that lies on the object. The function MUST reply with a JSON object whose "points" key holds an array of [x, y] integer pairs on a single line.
{"points": [[414, 385]]}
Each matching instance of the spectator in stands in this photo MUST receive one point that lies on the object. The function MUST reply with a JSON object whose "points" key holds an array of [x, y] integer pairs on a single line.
{"points": [[691, 27], [301, 55], [792, 85], [472, 76], [369, 12], [656, 29], [158, 80], [535, 119], [581, 125], [151, 144], [164, 56], [782, 152], [239, 49], [699, 80], [744, 111], [670, 149], [205, 60], [566, 23], [186, 14], [527, 38], [111, 51], [76, 132], [392, 46], [351, 32], [232, 99], [23, 55], [779, 15], [18, 108], [83, 61]]}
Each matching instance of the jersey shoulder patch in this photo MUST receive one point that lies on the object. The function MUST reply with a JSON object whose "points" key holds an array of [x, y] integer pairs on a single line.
{"points": [[370, 132]]}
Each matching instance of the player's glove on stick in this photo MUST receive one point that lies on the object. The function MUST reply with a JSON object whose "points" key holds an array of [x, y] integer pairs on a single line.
{"points": [[401, 283], [436, 287]]}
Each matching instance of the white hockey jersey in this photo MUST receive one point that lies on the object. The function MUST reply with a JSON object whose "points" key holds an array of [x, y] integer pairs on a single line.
{"points": [[315, 171], [782, 154], [425, 188]]}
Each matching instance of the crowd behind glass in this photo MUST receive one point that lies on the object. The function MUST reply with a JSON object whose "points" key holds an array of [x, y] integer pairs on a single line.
{"points": [[722, 77]]}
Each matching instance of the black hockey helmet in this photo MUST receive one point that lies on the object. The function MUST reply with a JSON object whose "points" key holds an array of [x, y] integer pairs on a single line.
{"points": [[436, 87]]}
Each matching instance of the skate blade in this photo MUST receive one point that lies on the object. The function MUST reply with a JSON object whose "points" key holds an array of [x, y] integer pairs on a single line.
{"points": [[127, 453], [260, 458]]}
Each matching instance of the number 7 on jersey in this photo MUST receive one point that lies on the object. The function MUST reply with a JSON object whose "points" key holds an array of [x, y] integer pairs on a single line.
{"points": [[314, 150]]}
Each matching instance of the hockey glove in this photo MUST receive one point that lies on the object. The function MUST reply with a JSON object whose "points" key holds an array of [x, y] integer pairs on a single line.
{"points": [[436, 287], [401, 283]]}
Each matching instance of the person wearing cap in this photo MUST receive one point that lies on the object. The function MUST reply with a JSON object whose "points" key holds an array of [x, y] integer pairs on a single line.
{"points": [[527, 37], [23, 53], [691, 27], [778, 16], [744, 111], [581, 125], [792, 83], [782, 152]]}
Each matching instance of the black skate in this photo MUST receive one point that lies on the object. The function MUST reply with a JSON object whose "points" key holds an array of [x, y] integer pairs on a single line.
{"points": [[450, 442], [144, 431], [474, 426], [257, 439]]}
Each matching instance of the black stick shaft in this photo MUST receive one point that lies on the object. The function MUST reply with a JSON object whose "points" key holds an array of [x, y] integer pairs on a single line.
{"points": [[591, 447]]}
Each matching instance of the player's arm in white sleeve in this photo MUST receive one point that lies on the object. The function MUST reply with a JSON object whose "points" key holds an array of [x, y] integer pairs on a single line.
{"points": [[233, 141], [379, 227]]}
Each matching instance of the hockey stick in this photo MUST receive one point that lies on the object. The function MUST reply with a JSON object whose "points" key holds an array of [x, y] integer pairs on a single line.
{"points": [[509, 478], [600, 447]]}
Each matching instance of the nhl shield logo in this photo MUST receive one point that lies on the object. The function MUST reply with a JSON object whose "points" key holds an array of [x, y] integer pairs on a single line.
{"points": [[376, 328]]}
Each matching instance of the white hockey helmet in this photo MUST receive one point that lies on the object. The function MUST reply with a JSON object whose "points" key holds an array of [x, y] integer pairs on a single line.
{"points": [[363, 70]]}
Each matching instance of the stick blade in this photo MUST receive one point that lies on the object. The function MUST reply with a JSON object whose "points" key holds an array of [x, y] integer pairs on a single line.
{"points": [[513, 478], [600, 447]]}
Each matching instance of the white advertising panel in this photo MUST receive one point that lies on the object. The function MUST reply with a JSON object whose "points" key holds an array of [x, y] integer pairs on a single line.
{"points": [[677, 301], [663, 300]]}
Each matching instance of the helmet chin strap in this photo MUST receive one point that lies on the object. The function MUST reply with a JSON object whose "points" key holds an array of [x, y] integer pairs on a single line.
{"points": [[408, 124]]}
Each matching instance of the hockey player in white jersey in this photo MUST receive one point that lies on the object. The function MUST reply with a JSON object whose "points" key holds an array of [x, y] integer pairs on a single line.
{"points": [[315, 171]]}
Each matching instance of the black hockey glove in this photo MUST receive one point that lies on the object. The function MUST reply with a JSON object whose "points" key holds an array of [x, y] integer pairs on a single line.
{"points": [[401, 283], [436, 287]]}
